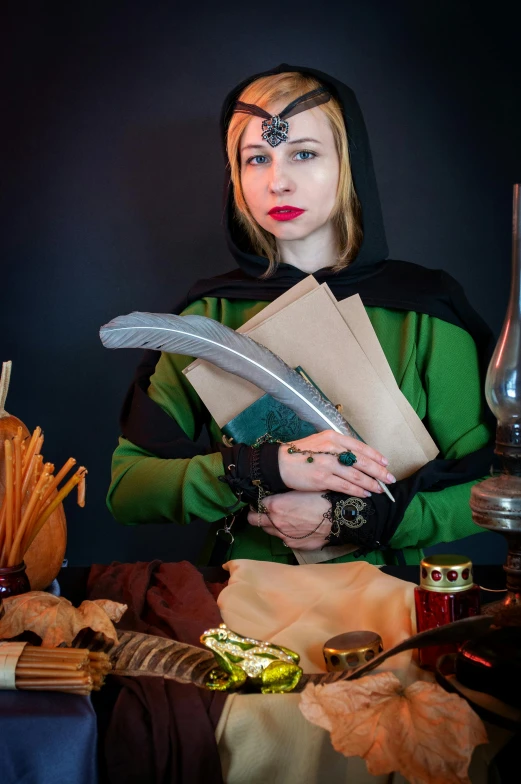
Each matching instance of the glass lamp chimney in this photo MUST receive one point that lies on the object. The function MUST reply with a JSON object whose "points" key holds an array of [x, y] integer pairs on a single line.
{"points": [[496, 502], [503, 382]]}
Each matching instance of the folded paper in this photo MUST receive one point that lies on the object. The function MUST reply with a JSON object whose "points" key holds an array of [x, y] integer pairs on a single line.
{"points": [[312, 332], [336, 344]]}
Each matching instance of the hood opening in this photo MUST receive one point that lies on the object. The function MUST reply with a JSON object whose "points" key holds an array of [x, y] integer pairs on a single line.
{"points": [[373, 249]]}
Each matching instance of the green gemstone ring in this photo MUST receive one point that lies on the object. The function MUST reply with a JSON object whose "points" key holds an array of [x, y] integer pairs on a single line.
{"points": [[347, 458]]}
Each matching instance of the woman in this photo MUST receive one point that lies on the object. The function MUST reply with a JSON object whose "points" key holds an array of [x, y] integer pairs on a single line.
{"points": [[302, 199]]}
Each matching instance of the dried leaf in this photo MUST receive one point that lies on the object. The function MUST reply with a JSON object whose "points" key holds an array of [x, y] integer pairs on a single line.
{"points": [[114, 610], [422, 731], [55, 619]]}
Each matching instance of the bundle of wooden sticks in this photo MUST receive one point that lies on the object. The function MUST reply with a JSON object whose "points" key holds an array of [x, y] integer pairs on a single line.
{"points": [[31, 494], [75, 670]]}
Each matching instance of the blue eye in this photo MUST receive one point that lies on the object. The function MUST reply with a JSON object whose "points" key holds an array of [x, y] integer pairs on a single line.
{"points": [[307, 153], [255, 160], [260, 160]]}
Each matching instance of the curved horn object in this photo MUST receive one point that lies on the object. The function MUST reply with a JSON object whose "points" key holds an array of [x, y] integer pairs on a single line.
{"points": [[144, 654]]}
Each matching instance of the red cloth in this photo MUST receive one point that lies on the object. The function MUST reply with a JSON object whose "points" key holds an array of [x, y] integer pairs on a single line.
{"points": [[160, 731]]}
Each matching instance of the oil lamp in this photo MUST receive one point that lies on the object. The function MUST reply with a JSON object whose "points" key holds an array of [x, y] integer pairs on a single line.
{"points": [[496, 502]]}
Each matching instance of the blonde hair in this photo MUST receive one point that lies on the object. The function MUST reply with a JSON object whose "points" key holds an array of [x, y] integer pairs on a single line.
{"points": [[346, 214]]}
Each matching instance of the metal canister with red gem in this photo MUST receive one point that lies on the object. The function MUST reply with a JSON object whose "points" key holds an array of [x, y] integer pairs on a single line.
{"points": [[446, 593]]}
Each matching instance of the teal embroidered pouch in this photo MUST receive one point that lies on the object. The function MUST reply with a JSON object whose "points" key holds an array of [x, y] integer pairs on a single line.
{"points": [[267, 415]]}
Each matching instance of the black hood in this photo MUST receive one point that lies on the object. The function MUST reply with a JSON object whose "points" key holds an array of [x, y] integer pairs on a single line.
{"points": [[380, 282], [374, 245]]}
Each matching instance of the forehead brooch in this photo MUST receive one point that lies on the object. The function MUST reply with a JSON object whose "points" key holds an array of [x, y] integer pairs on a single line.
{"points": [[275, 129]]}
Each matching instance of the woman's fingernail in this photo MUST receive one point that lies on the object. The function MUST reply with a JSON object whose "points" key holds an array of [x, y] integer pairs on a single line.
{"points": [[385, 461], [367, 494], [391, 478]]}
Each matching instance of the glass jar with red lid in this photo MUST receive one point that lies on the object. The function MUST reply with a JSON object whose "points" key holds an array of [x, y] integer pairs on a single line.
{"points": [[446, 593]]}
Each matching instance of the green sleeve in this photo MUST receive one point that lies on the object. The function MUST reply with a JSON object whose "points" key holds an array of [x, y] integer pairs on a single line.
{"points": [[444, 360], [146, 488], [149, 489]]}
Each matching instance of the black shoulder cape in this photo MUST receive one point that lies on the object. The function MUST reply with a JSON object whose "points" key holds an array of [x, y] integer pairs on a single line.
{"points": [[378, 280]]}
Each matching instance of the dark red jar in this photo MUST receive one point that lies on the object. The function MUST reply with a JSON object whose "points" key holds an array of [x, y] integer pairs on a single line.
{"points": [[13, 580], [446, 593]]}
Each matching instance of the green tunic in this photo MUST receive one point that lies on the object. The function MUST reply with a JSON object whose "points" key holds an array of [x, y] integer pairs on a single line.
{"points": [[436, 367]]}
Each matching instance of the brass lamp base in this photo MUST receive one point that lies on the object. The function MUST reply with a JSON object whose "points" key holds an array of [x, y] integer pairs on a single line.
{"points": [[496, 505]]}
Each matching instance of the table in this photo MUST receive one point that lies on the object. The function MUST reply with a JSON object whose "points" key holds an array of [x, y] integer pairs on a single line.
{"points": [[47, 738], [52, 737]]}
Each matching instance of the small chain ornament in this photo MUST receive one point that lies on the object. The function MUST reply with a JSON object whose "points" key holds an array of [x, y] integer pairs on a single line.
{"points": [[222, 533], [345, 458]]}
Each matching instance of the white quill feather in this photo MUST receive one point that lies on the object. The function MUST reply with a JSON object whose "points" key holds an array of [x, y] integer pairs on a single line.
{"points": [[198, 336]]}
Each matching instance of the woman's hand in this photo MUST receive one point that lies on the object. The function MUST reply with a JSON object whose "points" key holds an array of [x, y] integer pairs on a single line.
{"points": [[295, 513], [327, 473]]}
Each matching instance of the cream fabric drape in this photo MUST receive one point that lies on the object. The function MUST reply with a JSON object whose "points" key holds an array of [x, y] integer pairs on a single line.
{"points": [[303, 606]]}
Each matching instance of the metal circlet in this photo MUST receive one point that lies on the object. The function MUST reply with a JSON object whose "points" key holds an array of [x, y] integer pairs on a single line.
{"points": [[276, 127]]}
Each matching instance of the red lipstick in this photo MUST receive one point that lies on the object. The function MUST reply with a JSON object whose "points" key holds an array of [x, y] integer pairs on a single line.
{"points": [[285, 212]]}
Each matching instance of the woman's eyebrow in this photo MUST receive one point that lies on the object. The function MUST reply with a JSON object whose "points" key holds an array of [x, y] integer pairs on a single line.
{"points": [[254, 147], [265, 146], [307, 139]]}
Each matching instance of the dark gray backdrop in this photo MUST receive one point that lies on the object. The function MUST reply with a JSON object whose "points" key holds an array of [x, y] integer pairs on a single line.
{"points": [[111, 197]]}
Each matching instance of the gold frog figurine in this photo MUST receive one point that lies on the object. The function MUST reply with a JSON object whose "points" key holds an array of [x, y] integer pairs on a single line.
{"points": [[269, 667]]}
